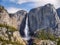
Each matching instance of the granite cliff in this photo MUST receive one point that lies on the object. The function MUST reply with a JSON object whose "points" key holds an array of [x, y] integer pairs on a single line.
{"points": [[44, 25], [43, 18]]}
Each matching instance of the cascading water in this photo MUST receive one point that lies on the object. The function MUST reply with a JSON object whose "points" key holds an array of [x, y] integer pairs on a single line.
{"points": [[26, 31], [27, 35]]}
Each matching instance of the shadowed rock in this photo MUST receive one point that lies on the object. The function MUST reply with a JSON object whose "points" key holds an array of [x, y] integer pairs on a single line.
{"points": [[58, 12]]}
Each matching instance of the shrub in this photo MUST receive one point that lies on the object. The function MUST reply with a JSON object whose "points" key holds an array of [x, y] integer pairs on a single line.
{"points": [[9, 42], [10, 28], [58, 42], [42, 34]]}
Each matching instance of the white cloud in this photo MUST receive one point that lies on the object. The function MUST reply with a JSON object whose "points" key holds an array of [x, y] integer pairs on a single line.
{"points": [[54, 2], [24, 1], [12, 0], [43, 2], [12, 9], [39, 2]]}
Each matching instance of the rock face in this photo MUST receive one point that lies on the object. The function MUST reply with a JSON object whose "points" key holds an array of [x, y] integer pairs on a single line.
{"points": [[9, 27], [42, 18], [6, 19], [58, 12], [19, 19]]}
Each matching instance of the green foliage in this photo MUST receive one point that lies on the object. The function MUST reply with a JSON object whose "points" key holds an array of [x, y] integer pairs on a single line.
{"points": [[2, 25], [43, 35], [4, 42], [34, 43], [58, 42], [10, 28], [51, 37]]}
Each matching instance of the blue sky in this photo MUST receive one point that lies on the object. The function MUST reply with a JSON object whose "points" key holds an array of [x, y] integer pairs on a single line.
{"points": [[14, 5]]}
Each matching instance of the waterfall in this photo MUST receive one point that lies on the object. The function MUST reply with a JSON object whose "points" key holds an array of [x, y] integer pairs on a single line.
{"points": [[26, 31], [27, 36]]}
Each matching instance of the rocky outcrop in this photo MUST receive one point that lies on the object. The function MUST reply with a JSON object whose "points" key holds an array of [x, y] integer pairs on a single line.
{"points": [[45, 42], [18, 17], [5, 18], [42, 18], [9, 36], [9, 27], [14, 20]]}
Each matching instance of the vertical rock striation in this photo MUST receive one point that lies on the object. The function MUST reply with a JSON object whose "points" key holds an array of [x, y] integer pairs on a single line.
{"points": [[42, 18]]}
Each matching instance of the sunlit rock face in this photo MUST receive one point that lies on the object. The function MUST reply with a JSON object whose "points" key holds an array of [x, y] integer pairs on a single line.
{"points": [[18, 17], [14, 20], [9, 27], [4, 17], [42, 18]]}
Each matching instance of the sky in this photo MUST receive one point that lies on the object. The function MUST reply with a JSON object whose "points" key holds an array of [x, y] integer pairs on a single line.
{"points": [[13, 6]]}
